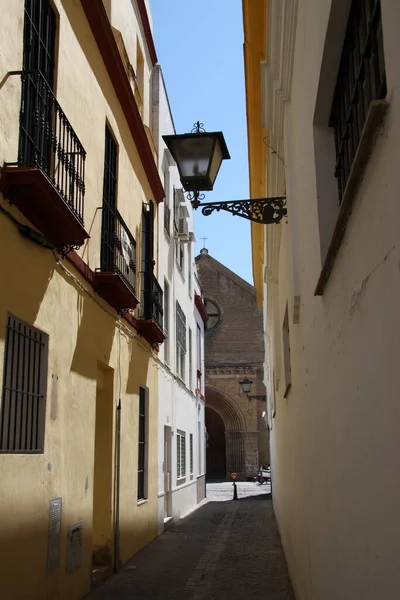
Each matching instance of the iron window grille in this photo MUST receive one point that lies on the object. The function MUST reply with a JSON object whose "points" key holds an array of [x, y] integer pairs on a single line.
{"points": [[361, 80], [180, 341], [118, 246], [190, 360], [191, 453], [141, 492], [167, 219], [180, 454], [23, 412], [151, 306], [166, 320], [39, 38]]}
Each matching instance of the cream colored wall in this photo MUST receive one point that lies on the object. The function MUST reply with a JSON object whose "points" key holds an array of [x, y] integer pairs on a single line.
{"points": [[83, 330], [335, 443], [131, 31]]}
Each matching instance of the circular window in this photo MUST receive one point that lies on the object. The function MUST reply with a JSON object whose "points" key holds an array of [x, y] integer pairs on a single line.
{"points": [[214, 315]]}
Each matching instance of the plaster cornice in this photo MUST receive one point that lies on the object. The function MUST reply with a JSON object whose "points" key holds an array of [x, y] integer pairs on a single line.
{"points": [[255, 31], [147, 30], [105, 40]]}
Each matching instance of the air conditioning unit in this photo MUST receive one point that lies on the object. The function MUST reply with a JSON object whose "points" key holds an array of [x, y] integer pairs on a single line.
{"points": [[189, 238], [182, 227]]}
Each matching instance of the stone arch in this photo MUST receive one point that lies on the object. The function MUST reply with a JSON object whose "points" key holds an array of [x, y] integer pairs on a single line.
{"points": [[234, 434], [229, 412]]}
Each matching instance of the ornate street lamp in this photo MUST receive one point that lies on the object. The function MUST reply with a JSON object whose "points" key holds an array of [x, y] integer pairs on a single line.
{"points": [[245, 385], [198, 156]]}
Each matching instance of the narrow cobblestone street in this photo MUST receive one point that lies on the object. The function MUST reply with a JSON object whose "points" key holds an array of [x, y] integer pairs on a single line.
{"points": [[225, 549]]}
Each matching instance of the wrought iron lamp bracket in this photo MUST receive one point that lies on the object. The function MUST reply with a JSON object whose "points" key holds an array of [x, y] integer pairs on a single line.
{"points": [[259, 210]]}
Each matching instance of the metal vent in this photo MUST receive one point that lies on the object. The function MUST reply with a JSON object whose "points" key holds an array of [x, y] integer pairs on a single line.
{"points": [[54, 536], [74, 547]]}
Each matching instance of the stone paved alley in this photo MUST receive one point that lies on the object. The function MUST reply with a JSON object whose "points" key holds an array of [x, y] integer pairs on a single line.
{"points": [[225, 549]]}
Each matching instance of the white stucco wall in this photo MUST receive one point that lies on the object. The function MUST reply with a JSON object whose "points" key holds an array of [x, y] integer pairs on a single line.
{"points": [[180, 407], [335, 438]]}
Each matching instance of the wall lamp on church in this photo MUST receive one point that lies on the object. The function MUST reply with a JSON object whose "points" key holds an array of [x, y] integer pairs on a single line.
{"points": [[199, 155], [245, 388]]}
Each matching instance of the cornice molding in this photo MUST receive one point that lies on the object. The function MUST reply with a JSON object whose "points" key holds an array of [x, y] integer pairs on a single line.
{"points": [[105, 40], [147, 31]]}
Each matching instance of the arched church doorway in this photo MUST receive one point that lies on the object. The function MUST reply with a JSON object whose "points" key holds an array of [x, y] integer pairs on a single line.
{"points": [[215, 448]]}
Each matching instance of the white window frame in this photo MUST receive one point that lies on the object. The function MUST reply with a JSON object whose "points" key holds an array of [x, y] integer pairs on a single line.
{"points": [[180, 454]]}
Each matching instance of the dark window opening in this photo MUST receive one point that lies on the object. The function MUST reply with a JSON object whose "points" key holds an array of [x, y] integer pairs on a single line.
{"points": [[361, 80], [23, 401], [141, 494]]}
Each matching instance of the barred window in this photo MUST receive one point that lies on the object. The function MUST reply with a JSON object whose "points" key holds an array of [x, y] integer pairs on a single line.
{"points": [[180, 454], [180, 341], [190, 360], [361, 80], [191, 452], [23, 400], [167, 208], [142, 445]]}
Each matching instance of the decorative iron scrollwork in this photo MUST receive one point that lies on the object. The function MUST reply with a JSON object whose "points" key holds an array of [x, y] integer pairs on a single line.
{"points": [[260, 210], [67, 249]]}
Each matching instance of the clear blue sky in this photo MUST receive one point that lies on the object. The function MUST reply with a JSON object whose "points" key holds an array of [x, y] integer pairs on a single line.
{"points": [[199, 45]]}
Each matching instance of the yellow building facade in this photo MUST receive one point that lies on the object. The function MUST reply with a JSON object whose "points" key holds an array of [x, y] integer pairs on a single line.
{"points": [[80, 305]]}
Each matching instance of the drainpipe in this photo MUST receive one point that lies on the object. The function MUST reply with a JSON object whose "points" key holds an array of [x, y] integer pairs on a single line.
{"points": [[117, 485]]}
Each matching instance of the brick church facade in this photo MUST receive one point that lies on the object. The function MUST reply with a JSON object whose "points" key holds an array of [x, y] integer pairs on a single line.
{"points": [[237, 434]]}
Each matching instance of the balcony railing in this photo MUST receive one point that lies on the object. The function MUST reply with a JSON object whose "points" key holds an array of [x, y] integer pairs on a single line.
{"points": [[157, 310], [116, 278], [50, 169], [150, 322], [118, 248], [48, 141]]}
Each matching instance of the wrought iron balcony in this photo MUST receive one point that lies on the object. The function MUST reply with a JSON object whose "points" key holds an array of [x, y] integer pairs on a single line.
{"points": [[47, 182], [115, 281], [150, 323]]}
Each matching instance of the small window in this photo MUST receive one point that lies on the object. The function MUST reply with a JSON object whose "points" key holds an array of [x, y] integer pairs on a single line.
{"points": [[166, 321], [180, 454], [189, 275], [167, 204], [180, 341], [361, 80], [190, 360], [286, 352], [191, 453], [199, 357], [23, 400], [179, 226], [214, 315], [142, 445]]}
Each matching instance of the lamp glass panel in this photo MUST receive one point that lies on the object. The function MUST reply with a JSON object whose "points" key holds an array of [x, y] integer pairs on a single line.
{"points": [[245, 384], [193, 156], [216, 161]]}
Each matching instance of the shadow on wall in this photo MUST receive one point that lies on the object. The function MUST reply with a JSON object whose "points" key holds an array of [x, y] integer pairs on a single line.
{"points": [[139, 360], [24, 556], [96, 331], [25, 274]]}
